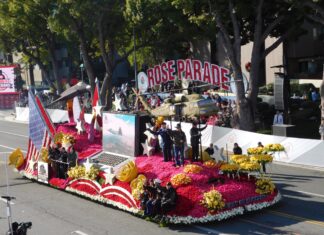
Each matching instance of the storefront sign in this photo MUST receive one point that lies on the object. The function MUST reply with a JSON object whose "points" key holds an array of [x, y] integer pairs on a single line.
{"points": [[7, 79], [188, 69]]}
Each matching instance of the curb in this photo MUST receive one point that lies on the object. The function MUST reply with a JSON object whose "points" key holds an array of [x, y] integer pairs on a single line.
{"points": [[307, 167]]}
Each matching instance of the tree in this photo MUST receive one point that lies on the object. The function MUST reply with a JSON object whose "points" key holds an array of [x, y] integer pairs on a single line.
{"points": [[240, 22], [74, 20], [316, 14], [24, 28]]}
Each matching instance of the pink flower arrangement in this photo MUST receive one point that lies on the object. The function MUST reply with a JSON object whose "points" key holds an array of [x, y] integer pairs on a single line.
{"points": [[82, 145]]}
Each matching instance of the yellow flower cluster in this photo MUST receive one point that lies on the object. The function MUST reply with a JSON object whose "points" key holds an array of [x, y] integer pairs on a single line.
{"points": [[137, 186], [44, 155], [263, 158], [238, 159], [68, 139], [79, 172], [180, 179], [192, 168], [264, 186], [58, 137], [274, 148], [250, 166], [127, 172], [16, 158], [256, 150], [211, 164], [213, 200], [229, 168]]}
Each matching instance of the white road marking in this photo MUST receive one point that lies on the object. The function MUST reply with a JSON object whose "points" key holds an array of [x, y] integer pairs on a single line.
{"points": [[312, 194], [4, 200], [209, 230], [10, 133], [79, 232], [7, 147]]}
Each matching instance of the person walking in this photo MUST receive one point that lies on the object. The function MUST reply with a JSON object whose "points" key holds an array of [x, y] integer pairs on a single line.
{"points": [[195, 140], [179, 140]]}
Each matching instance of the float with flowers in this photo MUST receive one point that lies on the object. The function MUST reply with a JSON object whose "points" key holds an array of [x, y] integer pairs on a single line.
{"points": [[206, 191]]}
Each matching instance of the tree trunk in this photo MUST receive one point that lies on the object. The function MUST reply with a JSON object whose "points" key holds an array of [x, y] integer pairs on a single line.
{"points": [[108, 58], [85, 54], [31, 75], [88, 64], [254, 77], [51, 46], [106, 91], [243, 116]]}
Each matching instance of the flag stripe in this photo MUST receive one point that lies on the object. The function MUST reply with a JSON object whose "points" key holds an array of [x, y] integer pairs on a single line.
{"points": [[41, 131], [45, 116]]}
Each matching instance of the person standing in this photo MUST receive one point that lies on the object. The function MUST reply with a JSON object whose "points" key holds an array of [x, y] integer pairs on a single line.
{"points": [[237, 150], [166, 142], [195, 139], [278, 118], [63, 164], [72, 157], [179, 140]]}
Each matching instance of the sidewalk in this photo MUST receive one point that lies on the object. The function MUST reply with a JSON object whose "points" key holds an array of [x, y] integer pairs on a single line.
{"points": [[9, 115]]}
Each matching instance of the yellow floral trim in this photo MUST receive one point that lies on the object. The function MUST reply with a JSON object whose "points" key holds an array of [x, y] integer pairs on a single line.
{"points": [[127, 172], [274, 148], [211, 164], [213, 200], [264, 186], [239, 158], [16, 158], [137, 186], [263, 158], [44, 155], [192, 168], [180, 179], [229, 168], [256, 150], [68, 139], [250, 166], [58, 137], [80, 172]]}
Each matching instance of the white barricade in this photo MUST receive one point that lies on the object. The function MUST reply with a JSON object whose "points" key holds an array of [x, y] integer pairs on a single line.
{"points": [[297, 150]]}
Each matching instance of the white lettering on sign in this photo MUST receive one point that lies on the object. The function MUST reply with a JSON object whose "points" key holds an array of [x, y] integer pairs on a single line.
{"points": [[188, 69]]}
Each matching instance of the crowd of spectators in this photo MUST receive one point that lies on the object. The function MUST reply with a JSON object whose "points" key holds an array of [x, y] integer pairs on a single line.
{"points": [[157, 200], [155, 98]]}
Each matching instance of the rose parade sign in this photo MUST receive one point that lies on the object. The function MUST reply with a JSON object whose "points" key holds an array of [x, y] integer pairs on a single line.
{"points": [[193, 70]]}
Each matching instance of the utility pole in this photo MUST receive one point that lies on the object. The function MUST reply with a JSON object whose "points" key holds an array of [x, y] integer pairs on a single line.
{"points": [[81, 65], [135, 66]]}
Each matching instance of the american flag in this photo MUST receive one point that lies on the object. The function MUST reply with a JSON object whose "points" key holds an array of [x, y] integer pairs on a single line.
{"points": [[41, 132]]}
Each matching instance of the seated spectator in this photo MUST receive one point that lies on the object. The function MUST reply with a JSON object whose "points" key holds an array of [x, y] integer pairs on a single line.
{"points": [[237, 149], [210, 150], [169, 198]]}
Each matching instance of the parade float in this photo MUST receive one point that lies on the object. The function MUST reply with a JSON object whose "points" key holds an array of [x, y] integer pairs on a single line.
{"points": [[112, 168]]}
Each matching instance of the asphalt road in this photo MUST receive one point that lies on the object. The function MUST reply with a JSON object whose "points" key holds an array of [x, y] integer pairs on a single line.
{"points": [[55, 212]]}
